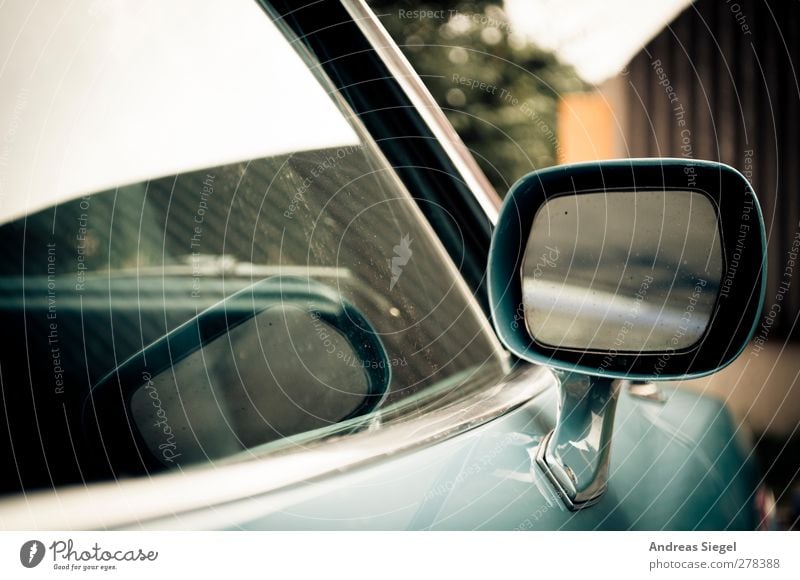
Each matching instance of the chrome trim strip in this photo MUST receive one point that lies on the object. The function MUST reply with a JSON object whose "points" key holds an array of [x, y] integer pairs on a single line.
{"points": [[424, 102], [647, 391], [220, 496]]}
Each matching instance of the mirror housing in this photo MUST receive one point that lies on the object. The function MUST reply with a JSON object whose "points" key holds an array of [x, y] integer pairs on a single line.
{"points": [[736, 307], [589, 261]]}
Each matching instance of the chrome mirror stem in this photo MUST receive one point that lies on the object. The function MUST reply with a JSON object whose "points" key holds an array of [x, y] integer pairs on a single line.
{"points": [[575, 455]]}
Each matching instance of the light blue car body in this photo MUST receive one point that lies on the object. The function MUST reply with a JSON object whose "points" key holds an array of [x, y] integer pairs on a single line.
{"points": [[680, 464]]}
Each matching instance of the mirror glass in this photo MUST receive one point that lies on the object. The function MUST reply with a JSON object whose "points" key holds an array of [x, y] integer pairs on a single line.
{"points": [[622, 271], [283, 372]]}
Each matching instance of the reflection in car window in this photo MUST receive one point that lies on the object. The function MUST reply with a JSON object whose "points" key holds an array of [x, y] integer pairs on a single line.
{"points": [[89, 279]]}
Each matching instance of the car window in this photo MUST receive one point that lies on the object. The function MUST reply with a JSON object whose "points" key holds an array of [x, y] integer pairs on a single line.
{"points": [[236, 163]]}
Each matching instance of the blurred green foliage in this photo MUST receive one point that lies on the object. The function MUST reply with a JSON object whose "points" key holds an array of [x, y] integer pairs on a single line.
{"points": [[509, 121]]}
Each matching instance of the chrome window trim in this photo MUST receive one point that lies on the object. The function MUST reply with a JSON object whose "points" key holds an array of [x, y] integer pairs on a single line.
{"points": [[409, 81], [220, 496]]}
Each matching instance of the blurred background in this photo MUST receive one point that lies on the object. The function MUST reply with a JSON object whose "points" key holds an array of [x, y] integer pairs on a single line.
{"points": [[533, 83]]}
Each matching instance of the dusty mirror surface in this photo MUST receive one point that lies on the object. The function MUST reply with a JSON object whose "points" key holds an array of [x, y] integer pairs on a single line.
{"points": [[622, 271]]}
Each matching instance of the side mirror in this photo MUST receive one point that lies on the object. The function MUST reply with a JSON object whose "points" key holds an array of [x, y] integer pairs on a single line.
{"points": [[281, 357], [646, 269]]}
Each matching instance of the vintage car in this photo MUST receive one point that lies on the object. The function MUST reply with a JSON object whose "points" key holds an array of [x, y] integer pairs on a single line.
{"points": [[252, 279]]}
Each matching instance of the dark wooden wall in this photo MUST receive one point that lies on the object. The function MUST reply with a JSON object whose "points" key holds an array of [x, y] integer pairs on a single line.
{"points": [[733, 67]]}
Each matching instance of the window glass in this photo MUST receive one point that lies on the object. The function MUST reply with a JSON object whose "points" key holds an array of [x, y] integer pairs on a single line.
{"points": [[185, 191]]}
